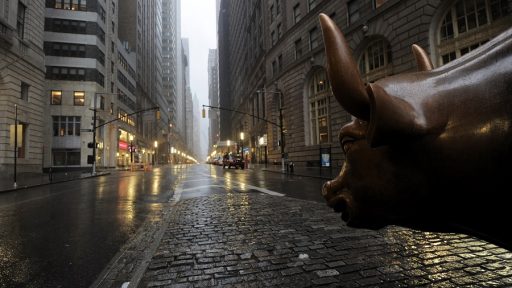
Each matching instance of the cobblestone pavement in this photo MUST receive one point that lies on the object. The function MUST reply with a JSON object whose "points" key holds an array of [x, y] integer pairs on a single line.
{"points": [[256, 240]]}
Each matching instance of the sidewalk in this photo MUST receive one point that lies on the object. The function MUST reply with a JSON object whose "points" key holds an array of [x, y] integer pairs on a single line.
{"points": [[26, 180], [255, 240], [327, 173]]}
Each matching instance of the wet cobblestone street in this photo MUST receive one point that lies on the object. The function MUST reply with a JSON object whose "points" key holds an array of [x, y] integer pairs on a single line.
{"points": [[256, 240]]}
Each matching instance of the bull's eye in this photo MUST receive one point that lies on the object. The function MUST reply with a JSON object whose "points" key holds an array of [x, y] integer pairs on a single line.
{"points": [[346, 143]]}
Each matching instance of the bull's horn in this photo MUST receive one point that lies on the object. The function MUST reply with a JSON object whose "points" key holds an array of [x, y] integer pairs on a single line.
{"points": [[346, 83], [422, 59]]}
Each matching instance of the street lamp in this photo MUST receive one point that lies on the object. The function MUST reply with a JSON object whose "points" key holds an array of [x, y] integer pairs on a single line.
{"points": [[281, 128], [242, 143], [156, 152], [131, 148]]}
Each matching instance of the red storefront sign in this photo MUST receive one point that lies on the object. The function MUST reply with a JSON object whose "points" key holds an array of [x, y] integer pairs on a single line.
{"points": [[123, 145]]}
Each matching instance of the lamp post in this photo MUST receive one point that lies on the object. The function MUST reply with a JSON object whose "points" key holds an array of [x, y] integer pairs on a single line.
{"points": [[156, 152], [131, 148], [281, 126], [242, 144]]}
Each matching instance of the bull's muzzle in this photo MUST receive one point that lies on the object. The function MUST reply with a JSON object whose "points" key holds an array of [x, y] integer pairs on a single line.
{"points": [[340, 202]]}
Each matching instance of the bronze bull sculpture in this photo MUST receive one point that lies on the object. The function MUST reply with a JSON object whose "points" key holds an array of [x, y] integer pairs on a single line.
{"points": [[430, 149]]}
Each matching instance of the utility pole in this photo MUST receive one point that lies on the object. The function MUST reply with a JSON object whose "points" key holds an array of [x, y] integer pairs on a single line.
{"points": [[280, 125], [94, 136], [15, 141]]}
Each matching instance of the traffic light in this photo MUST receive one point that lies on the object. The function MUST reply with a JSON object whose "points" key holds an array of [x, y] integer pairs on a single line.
{"points": [[203, 113], [157, 114], [90, 145]]}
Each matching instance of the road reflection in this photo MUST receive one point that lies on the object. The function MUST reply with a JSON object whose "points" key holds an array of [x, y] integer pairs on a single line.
{"points": [[63, 235]]}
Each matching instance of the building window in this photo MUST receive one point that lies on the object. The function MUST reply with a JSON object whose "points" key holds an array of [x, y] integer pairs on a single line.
{"points": [[298, 48], [353, 11], [22, 149], [280, 62], [102, 102], [111, 108], [24, 91], [378, 3], [20, 22], [101, 13], [296, 13], [278, 7], [319, 91], [56, 97], [66, 157], [460, 29], [273, 36], [374, 60], [312, 4], [314, 38], [79, 98], [279, 31], [66, 126], [274, 68]]}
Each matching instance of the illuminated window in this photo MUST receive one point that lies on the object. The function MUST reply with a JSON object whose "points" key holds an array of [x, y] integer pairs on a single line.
{"points": [[79, 98], [56, 97]]}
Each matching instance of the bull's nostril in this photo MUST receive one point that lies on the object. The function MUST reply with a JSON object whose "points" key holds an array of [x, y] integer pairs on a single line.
{"points": [[340, 205]]}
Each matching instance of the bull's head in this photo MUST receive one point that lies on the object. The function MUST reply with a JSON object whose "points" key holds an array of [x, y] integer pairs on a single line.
{"points": [[426, 146]]}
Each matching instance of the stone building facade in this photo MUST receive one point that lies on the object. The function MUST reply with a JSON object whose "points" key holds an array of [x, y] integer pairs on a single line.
{"points": [[81, 52], [271, 56], [22, 84]]}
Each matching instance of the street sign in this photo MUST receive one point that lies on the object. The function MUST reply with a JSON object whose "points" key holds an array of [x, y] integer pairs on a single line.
{"points": [[85, 130]]}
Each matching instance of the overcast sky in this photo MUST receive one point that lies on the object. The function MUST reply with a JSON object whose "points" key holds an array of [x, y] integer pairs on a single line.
{"points": [[198, 25]]}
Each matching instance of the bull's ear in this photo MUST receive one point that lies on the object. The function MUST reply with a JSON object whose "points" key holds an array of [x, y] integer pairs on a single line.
{"points": [[392, 119], [343, 73], [422, 59]]}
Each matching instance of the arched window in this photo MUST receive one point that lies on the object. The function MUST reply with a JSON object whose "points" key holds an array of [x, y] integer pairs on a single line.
{"points": [[468, 24], [375, 61], [319, 91]]}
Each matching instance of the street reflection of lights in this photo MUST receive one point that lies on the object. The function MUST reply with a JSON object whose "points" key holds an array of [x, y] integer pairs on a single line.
{"points": [[156, 186]]}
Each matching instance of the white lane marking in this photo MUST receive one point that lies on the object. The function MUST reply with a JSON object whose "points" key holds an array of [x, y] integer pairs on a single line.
{"points": [[237, 185], [264, 190], [201, 187]]}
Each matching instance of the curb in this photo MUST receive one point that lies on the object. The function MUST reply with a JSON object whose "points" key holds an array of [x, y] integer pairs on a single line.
{"points": [[298, 174], [53, 182]]}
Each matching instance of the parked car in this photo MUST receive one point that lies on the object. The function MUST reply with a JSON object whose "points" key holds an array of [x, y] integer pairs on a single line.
{"points": [[233, 161]]}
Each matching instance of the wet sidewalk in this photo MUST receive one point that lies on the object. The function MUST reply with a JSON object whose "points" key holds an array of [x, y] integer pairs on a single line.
{"points": [[26, 180], [327, 173], [256, 240]]}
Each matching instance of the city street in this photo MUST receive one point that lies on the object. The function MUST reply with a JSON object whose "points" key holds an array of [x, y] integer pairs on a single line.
{"points": [[64, 234]]}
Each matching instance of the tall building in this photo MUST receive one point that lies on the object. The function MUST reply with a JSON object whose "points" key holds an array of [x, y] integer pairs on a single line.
{"points": [[213, 96], [22, 92], [80, 45], [186, 108], [272, 60], [142, 29], [170, 49]]}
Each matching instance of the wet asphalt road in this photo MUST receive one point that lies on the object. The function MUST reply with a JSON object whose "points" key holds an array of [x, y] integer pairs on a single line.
{"points": [[63, 235]]}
